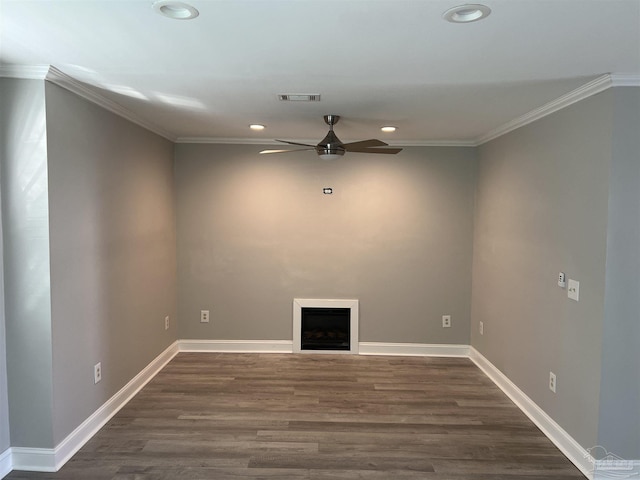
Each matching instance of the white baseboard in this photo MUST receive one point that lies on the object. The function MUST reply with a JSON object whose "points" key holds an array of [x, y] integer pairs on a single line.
{"points": [[414, 349], [5, 463], [561, 439], [33, 459], [51, 460], [615, 467], [236, 346], [286, 346]]}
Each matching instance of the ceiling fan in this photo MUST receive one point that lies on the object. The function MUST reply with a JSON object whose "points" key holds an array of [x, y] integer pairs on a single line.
{"points": [[331, 148]]}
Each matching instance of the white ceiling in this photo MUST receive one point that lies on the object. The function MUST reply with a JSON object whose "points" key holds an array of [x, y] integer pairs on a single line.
{"points": [[374, 62]]}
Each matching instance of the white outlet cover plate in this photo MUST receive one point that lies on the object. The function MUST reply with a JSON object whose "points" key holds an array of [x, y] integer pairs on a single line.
{"points": [[573, 290], [562, 280]]}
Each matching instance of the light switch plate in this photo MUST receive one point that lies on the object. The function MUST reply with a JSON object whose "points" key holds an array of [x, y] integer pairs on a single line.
{"points": [[573, 292]]}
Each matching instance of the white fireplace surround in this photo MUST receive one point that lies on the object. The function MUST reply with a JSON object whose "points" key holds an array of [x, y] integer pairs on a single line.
{"points": [[300, 303]]}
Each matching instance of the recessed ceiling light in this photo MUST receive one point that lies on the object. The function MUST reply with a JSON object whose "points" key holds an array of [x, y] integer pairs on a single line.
{"points": [[389, 129], [256, 126], [175, 10], [466, 13]]}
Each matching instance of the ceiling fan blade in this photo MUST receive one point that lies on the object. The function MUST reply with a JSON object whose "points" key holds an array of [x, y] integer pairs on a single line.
{"points": [[378, 150], [286, 151], [295, 143], [355, 146]]}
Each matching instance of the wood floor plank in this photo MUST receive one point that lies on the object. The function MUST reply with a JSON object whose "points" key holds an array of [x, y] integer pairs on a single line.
{"points": [[317, 417]]}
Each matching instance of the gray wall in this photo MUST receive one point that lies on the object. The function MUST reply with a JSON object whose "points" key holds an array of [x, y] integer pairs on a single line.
{"points": [[255, 231], [113, 252], [542, 200], [619, 428], [4, 399], [26, 261]]}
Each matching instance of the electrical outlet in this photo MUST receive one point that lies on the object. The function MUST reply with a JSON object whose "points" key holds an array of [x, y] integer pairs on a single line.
{"points": [[552, 382], [481, 328], [204, 316], [562, 280], [97, 372], [446, 321], [166, 322]]}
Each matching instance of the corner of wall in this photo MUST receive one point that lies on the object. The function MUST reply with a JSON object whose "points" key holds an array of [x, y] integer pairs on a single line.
{"points": [[25, 225]]}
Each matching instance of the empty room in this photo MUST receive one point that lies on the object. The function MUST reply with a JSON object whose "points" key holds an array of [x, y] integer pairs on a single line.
{"points": [[304, 239]]}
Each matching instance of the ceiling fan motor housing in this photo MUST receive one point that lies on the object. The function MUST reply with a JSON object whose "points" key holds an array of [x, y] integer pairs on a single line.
{"points": [[330, 145]]}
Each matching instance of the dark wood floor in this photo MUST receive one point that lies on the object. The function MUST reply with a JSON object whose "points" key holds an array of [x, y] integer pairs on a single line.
{"points": [[237, 416]]}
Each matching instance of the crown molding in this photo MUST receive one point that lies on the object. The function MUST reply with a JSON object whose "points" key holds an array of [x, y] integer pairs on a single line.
{"points": [[434, 143], [54, 75], [600, 84], [71, 84], [24, 72], [237, 141], [267, 141], [587, 90], [625, 80]]}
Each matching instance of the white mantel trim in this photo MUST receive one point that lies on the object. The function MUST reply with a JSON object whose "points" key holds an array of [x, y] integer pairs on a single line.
{"points": [[300, 303]]}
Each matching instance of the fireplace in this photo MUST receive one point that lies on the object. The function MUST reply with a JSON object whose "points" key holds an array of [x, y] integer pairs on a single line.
{"points": [[325, 326]]}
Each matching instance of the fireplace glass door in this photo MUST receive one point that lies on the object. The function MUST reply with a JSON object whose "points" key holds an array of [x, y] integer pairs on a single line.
{"points": [[325, 328]]}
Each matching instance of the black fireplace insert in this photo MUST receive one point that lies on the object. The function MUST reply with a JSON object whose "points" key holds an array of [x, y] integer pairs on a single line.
{"points": [[325, 328]]}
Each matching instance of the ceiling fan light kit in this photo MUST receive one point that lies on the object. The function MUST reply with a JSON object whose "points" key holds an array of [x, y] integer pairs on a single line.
{"points": [[331, 148], [468, 13], [327, 155]]}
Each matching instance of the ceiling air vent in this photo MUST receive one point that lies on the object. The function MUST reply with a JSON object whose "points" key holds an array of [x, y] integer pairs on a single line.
{"points": [[299, 97]]}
